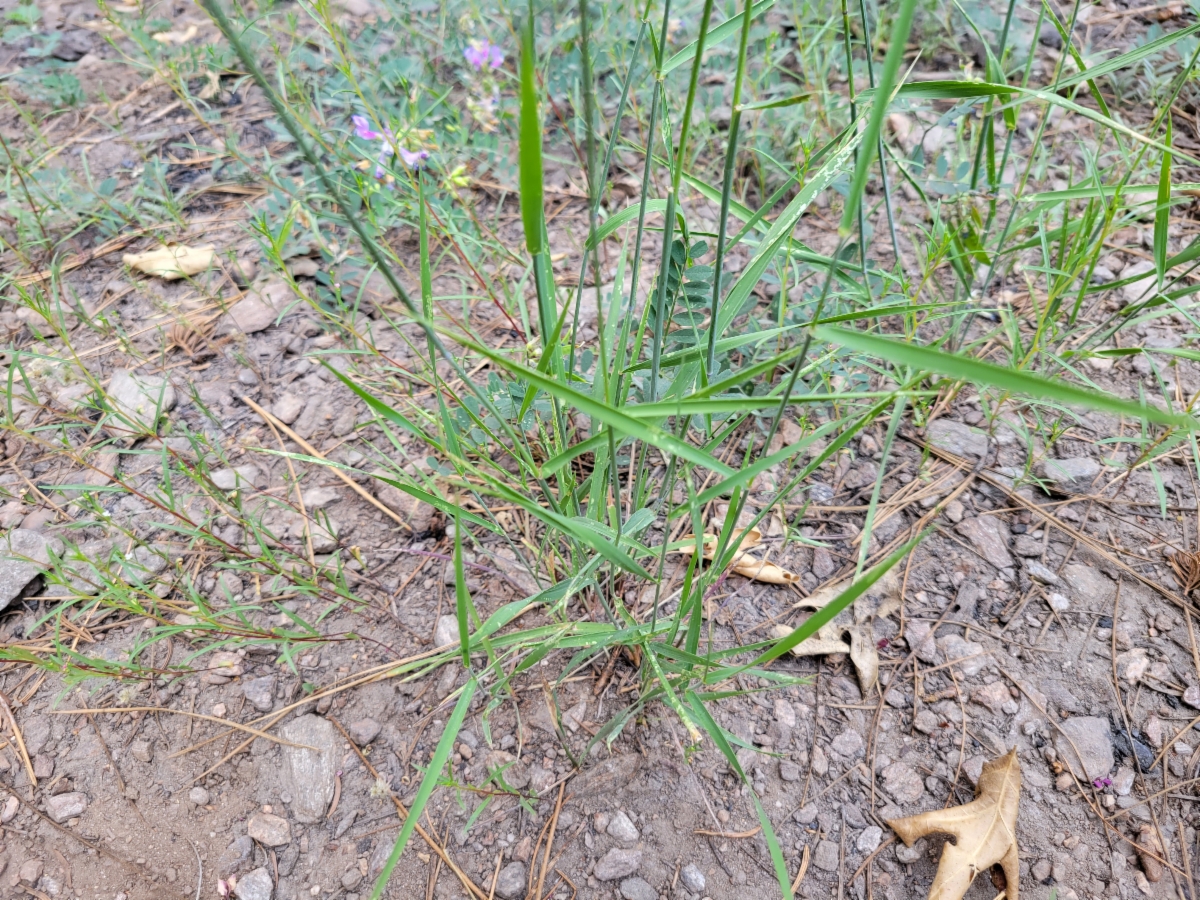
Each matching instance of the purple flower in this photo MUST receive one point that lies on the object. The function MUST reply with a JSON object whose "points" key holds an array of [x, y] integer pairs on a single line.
{"points": [[362, 129], [484, 53], [1101, 783], [413, 159]]}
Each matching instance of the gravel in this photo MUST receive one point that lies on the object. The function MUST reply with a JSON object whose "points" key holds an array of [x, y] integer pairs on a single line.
{"points": [[1092, 737], [269, 830], [637, 889], [510, 884], [692, 878], [256, 885], [66, 806], [617, 863], [622, 829], [306, 775]]}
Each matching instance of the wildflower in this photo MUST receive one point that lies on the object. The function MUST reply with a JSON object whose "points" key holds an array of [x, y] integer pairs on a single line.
{"points": [[388, 147], [484, 53], [380, 789], [1101, 783]]}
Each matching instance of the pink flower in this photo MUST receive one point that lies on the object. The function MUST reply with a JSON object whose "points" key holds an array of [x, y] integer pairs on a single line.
{"points": [[484, 53], [362, 129], [413, 159]]}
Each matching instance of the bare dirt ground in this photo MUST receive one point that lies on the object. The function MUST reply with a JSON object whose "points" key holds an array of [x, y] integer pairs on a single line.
{"points": [[1043, 617]]}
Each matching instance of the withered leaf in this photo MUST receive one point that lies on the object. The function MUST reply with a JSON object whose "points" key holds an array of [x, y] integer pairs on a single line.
{"points": [[743, 563], [984, 831], [173, 261]]}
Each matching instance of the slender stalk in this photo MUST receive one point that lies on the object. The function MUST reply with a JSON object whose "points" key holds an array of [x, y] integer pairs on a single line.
{"points": [[883, 173], [660, 313], [862, 223], [735, 121]]}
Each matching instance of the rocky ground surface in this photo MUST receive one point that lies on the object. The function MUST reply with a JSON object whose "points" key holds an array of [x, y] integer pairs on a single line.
{"points": [[1042, 613]]}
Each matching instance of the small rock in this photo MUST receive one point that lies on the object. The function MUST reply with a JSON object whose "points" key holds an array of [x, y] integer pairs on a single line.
{"points": [[1027, 546], [234, 857], [1042, 574], [198, 795], [307, 775], [446, 632], [238, 477], [622, 829], [617, 863], [1191, 696], [287, 408], [955, 511], [849, 743], [1058, 602], [319, 497], [788, 770], [256, 885], [910, 855], [637, 889], [510, 884], [870, 838], [260, 692], [823, 564], [956, 647], [1071, 476], [363, 731], [826, 856], [692, 879], [30, 871], [1132, 665], [66, 806], [1122, 782], [269, 830], [919, 638], [23, 554], [903, 783], [987, 536], [993, 696], [138, 400], [258, 310], [957, 438], [351, 879], [820, 762], [806, 815], [1091, 735], [11, 807], [1040, 870]]}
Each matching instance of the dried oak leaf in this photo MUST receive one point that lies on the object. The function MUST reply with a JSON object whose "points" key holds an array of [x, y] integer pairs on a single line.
{"points": [[173, 261], [984, 831], [743, 563], [857, 637]]}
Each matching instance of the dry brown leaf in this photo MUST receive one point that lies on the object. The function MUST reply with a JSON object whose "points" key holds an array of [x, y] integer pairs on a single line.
{"points": [[984, 831], [743, 563], [855, 638], [173, 261]]}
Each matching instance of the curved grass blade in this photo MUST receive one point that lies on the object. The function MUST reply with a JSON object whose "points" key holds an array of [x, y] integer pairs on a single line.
{"points": [[1162, 214], [1014, 380], [445, 745], [715, 35], [530, 150], [615, 221]]}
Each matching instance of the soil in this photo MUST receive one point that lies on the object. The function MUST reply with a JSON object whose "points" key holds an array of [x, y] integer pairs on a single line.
{"points": [[1042, 612]]}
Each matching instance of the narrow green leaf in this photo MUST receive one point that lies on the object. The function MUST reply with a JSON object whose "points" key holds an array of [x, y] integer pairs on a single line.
{"points": [[715, 35], [530, 150], [1014, 380], [1162, 214], [438, 503], [616, 220], [462, 599], [429, 781], [1126, 59], [776, 104]]}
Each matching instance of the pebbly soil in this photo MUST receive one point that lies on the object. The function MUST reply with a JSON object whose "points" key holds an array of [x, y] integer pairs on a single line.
{"points": [[1041, 613]]}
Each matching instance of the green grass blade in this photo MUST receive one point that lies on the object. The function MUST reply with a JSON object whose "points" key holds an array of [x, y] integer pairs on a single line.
{"points": [[445, 745], [1162, 214], [1127, 59], [888, 76], [462, 599], [438, 503], [715, 35], [615, 221], [1014, 380], [530, 151]]}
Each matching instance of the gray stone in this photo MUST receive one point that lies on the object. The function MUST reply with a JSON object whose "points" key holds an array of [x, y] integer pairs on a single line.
{"points": [[308, 775], [287, 408], [446, 632], [269, 830], [987, 535], [238, 477], [956, 438], [235, 856], [1072, 476], [256, 885], [139, 400], [1041, 573], [1026, 545], [788, 770], [24, 554], [510, 884], [351, 878], [363, 731], [1058, 602], [806, 815], [66, 806], [198, 795], [1093, 739], [910, 855], [826, 856], [849, 743], [1144, 273], [258, 310], [142, 751], [320, 497], [868, 841], [955, 646], [1122, 782], [622, 829], [617, 863], [692, 879], [1088, 584], [637, 889], [260, 692], [903, 783]]}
